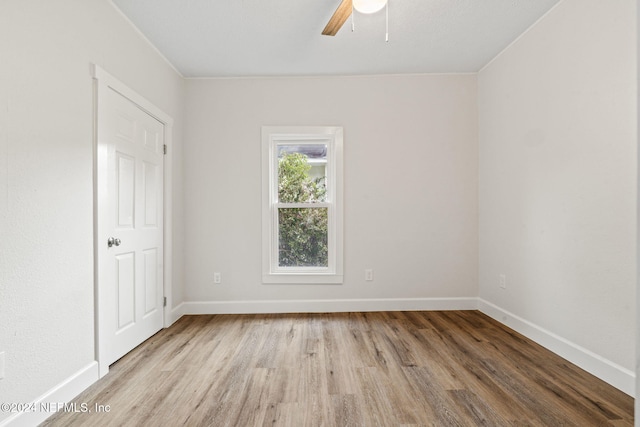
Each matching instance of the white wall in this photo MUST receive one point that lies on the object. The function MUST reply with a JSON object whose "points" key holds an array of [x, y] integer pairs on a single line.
{"points": [[557, 150], [46, 188], [410, 184]]}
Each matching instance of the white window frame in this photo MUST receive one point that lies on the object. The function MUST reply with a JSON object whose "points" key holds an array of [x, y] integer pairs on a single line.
{"points": [[272, 136]]}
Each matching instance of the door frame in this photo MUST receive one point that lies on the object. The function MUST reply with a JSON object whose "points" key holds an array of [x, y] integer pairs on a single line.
{"points": [[103, 82]]}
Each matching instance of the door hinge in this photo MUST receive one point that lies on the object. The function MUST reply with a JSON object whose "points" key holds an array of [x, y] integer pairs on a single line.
{"points": [[164, 302], [164, 148]]}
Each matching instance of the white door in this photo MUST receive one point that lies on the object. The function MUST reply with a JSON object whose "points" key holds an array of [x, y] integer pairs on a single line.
{"points": [[130, 149]]}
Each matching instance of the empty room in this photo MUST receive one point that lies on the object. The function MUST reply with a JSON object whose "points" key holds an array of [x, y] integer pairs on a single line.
{"points": [[318, 212]]}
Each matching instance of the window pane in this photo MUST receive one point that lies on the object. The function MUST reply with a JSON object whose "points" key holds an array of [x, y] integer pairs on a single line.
{"points": [[302, 237], [302, 176]]}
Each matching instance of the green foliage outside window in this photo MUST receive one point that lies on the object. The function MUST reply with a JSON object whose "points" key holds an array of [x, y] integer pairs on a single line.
{"points": [[302, 231]]}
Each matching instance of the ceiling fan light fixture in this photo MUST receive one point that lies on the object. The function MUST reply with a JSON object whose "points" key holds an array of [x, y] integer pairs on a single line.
{"points": [[369, 6]]}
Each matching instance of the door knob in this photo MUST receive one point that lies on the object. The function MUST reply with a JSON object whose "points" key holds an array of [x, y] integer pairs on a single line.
{"points": [[112, 241]]}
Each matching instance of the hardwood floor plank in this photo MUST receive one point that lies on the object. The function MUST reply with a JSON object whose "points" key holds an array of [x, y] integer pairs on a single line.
{"points": [[347, 411], [476, 410], [436, 356], [375, 398], [347, 369], [435, 400], [390, 386], [340, 362]]}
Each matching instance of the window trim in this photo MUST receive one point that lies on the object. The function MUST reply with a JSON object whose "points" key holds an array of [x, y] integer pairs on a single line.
{"points": [[272, 136]]}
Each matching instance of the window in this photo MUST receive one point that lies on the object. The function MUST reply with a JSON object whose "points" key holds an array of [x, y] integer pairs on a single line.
{"points": [[301, 204]]}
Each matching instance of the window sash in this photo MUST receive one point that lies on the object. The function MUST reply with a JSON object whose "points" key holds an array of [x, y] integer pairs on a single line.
{"points": [[276, 268], [329, 203], [330, 170]]}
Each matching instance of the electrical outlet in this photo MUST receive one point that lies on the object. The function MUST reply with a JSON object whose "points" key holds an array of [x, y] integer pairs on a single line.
{"points": [[502, 281], [368, 275], [2, 365], [217, 278]]}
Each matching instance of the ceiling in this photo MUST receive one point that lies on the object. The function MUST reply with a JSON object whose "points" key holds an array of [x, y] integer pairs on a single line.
{"points": [[224, 38]]}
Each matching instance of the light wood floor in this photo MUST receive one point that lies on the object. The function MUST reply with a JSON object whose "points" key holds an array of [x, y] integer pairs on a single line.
{"points": [[347, 369]]}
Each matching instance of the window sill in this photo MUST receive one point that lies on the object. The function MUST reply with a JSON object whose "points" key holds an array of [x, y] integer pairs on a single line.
{"points": [[302, 279]]}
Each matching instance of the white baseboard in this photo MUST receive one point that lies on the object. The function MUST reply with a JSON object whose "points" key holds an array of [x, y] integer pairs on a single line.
{"points": [[612, 373], [326, 306], [176, 313], [44, 406]]}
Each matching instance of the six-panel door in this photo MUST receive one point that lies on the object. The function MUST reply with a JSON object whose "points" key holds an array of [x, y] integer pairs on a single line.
{"points": [[133, 273]]}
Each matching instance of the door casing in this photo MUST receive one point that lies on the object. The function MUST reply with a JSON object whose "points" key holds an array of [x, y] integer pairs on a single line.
{"points": [[103, 81]]}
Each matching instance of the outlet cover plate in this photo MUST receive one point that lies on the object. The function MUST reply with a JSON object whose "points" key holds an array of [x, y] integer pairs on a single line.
{"points": [[368, 275]]}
